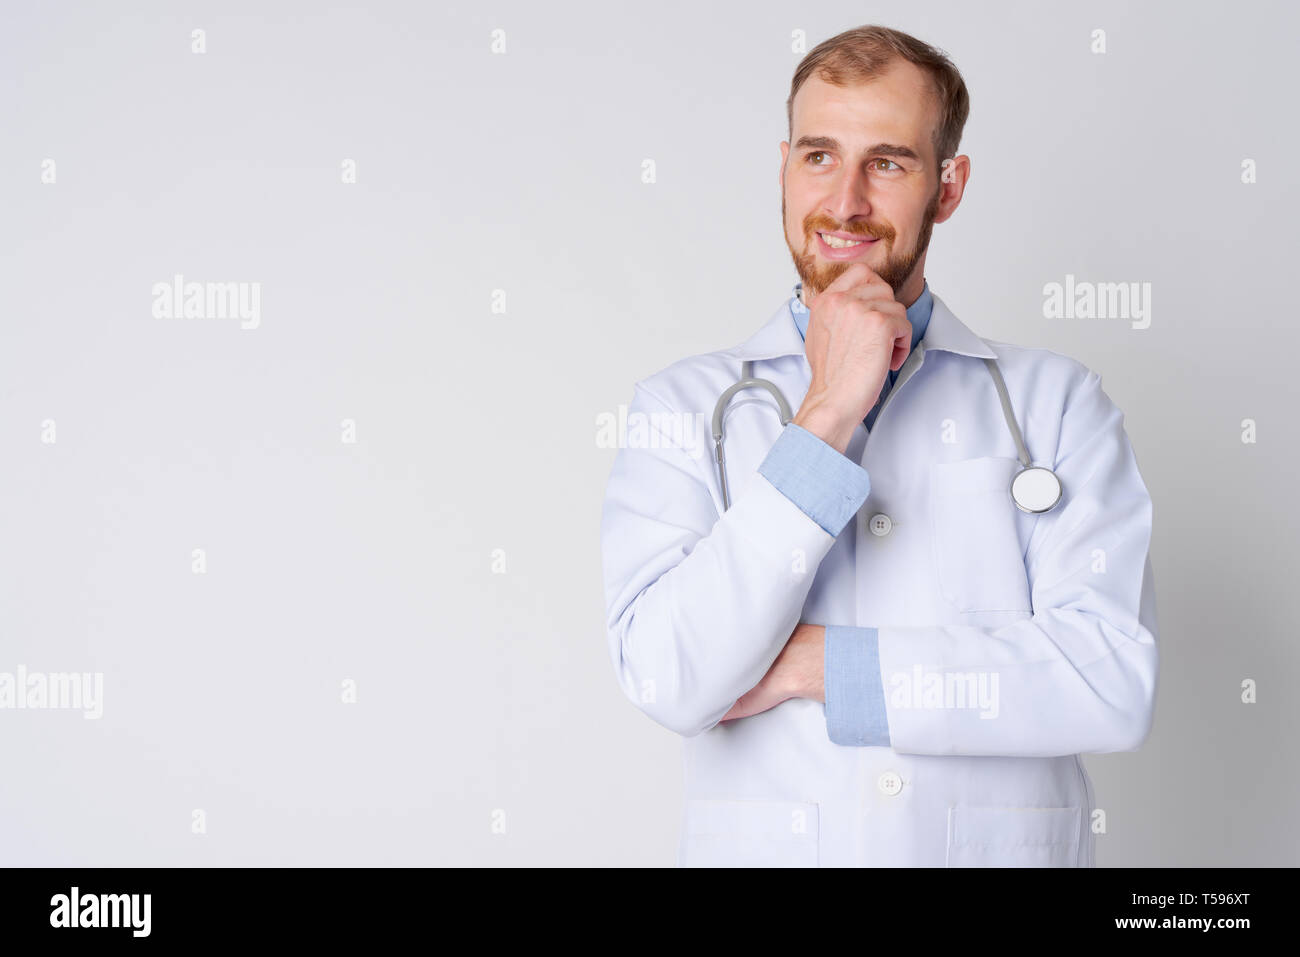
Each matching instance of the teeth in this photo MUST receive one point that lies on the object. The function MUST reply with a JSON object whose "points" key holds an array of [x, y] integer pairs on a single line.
{"points": [[836, 243]]}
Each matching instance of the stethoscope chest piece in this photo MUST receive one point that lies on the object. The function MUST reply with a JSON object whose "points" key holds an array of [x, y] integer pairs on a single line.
{"points": [[1035, 489]]}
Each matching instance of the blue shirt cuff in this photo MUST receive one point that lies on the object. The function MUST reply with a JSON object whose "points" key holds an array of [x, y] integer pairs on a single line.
{"points": [[828, 487], [855, 693]]}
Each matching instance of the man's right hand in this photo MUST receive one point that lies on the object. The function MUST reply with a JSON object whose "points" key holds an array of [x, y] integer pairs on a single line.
{"points": [[857, 332]]}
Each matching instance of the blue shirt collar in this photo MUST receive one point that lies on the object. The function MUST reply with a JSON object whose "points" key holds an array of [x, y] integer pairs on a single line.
{"points": [[918, 313]]}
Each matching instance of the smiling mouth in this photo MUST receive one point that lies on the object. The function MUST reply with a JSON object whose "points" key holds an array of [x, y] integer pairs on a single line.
{"points": [[838, 242]]}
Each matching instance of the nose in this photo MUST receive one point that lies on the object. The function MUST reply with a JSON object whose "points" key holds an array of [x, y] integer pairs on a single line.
{"points": [[848, 199]]}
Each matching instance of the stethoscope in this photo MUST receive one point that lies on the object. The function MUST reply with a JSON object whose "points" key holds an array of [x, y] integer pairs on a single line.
{"points": [[1034, 489]]}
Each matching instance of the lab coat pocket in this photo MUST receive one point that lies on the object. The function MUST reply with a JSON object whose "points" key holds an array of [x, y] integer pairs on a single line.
{"points": [[977, 551], [1013, 836], [724, 833]]}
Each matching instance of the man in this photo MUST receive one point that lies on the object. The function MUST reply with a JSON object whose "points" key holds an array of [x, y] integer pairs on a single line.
{"points": [[874, 656]]}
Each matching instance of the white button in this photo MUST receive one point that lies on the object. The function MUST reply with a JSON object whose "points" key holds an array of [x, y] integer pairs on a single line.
{"points": [[880, 524], [890, 783]]}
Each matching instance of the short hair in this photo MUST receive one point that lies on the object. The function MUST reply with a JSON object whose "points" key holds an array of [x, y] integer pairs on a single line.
{"points": [[863, 53]]}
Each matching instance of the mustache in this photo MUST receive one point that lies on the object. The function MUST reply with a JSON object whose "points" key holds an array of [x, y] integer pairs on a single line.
{"points": [[865, 230]]}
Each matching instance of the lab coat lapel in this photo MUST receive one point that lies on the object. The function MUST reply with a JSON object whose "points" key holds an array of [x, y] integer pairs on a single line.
{"points": [[944, 333], [779, 336], [948, 333]]}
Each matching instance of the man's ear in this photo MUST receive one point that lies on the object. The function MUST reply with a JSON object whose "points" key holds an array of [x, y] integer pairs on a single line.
{"points": [[954, 174]]}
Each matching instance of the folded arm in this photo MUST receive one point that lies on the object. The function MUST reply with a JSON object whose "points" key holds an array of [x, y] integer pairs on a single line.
{"points": [[699, 605], [1078, 676]]}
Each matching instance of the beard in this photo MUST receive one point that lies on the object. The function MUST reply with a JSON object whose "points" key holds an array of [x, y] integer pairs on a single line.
{"points": [[897, 268]]}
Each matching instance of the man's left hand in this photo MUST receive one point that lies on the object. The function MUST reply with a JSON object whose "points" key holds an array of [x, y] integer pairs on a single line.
{"points": [[798, 672]]}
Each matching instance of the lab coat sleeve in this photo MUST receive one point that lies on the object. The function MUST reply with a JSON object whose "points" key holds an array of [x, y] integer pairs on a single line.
{"points": [[698, 604], [1077, 676]]}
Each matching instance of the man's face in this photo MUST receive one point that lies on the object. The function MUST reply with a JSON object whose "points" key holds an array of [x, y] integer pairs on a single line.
{"points": [[863, 165]]}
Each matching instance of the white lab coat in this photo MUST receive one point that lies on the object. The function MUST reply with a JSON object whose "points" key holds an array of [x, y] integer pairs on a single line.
{"points": [[1059, 606]]}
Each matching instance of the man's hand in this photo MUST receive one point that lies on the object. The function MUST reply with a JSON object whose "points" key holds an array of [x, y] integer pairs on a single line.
{"points": [[798, 672], [857, 332]]}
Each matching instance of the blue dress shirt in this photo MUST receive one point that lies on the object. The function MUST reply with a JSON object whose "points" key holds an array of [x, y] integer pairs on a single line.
{"points": [[830, 488]]}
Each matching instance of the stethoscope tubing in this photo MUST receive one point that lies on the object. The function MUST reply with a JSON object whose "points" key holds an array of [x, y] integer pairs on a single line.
{"points": [[748, 381]]}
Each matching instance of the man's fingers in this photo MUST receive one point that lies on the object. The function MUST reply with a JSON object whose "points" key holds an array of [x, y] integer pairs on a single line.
{"points": [[858, 274], [902, 343], [754, 701], [740, 709]]}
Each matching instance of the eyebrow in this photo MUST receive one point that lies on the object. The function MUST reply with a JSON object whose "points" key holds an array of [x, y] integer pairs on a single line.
{"points": [[879, 149]]}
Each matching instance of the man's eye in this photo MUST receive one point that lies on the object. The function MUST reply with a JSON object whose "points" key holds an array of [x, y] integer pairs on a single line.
{"points": [[889, 161], [817, 153]]}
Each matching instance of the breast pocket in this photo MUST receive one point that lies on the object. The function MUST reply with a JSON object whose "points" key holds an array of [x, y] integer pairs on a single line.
{"points": [[1013, 836], [749, 834], [977, 552]]}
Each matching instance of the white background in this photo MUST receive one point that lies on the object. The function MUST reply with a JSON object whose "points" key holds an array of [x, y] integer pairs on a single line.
{"points": [[476, 431]]}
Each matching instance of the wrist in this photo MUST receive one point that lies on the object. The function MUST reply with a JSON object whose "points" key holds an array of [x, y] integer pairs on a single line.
{"points": [[817, 680], [828, 424], [807, 676]]}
